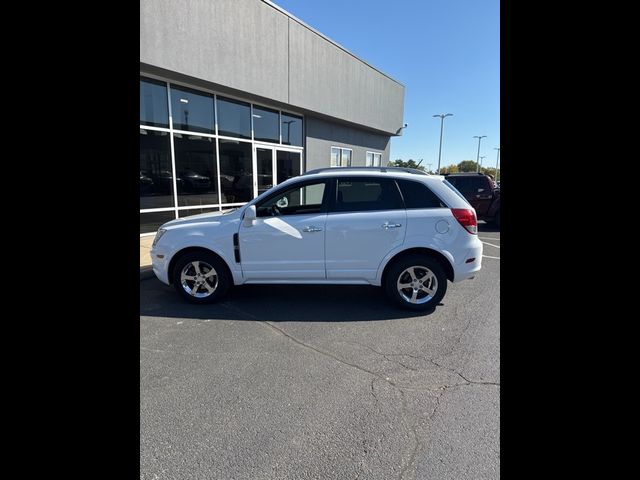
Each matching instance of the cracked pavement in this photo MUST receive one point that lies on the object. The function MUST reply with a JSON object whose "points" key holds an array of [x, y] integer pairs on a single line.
{"points": [[309, 382]]}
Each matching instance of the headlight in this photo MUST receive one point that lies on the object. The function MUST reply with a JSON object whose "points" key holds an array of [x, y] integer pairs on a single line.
{"points": [[159, 235]]}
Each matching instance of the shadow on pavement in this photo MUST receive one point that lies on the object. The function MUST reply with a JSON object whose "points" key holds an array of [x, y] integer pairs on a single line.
{"points": [[278, 303], [485, 227]]}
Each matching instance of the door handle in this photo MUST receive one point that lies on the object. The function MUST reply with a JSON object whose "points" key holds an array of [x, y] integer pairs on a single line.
{"points": [[387, 225], [312, 228]]}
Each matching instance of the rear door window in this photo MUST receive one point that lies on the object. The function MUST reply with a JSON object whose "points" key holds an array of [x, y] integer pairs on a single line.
{"points": [[360, 194]]}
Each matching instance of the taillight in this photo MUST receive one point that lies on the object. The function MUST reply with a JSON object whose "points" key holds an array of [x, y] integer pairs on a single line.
{"points": [[467, 219]]}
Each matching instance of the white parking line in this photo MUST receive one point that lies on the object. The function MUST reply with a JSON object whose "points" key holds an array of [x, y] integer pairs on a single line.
{"points": [[487, 256], [491, 244], [488, 238]]}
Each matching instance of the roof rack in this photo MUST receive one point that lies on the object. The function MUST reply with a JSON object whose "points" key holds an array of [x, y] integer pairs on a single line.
{"points": [[367, 169]]}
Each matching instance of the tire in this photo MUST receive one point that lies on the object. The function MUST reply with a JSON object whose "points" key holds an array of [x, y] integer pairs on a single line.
{"points": [[496, 219], [212, 288], [423, 267]]}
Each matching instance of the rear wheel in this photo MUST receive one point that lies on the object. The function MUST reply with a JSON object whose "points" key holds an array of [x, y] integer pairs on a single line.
{"points": [[496, 219], [201, 277], [416, 282]]}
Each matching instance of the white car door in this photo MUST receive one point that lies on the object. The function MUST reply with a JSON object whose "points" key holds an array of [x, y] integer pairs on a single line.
{"points": [[366, 221], [286, 241]]}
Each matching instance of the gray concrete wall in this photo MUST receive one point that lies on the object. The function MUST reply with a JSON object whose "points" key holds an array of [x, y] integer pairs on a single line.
{"points": [[321, 135], [239, 43], [326, 79], [251, 46]]}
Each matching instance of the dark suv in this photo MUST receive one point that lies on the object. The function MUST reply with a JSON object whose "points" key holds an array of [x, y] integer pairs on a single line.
{"points": [[481, 192]]}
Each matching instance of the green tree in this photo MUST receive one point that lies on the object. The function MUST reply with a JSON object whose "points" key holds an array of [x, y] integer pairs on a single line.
{"points": [[408, 164], [467, 166], [449, 169], [489, 171]]}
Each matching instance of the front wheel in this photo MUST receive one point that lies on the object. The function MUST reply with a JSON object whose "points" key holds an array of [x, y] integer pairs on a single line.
{"points": [[416, 282], [201, 277]]}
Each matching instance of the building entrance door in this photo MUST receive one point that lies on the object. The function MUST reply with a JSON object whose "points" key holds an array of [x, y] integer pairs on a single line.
{"points": [[274, 165]]}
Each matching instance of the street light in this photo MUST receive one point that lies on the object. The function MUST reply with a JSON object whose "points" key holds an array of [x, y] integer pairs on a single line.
{"points": [[482, 158], [497, 158], [478, 156], [442, 117], [429, 165]]}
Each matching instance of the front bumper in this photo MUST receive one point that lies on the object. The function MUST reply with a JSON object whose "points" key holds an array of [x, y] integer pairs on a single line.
{"points": [[160, 264]]}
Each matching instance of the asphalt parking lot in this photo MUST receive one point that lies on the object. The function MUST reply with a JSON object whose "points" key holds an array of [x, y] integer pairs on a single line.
{"points": [[322, 382]]}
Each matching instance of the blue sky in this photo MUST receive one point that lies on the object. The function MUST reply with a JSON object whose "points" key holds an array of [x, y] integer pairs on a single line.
{"points": [[445, 52]]}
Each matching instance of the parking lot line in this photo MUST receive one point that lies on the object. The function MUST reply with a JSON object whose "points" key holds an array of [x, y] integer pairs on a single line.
{"points": [[487, 256], [487, 243], [488, 238]]}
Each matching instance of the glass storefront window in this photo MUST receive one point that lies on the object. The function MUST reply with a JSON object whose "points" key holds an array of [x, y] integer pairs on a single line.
{"points": [[236, 172], [195, 211], [156, 178], [288, 165], [266, 124], [264, 163], [291, 130], [150, 222], [197, 179], [192, 110], [153, 103], [179, 158], [234, 118]]}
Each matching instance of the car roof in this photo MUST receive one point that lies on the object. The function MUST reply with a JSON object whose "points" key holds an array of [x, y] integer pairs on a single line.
{"points": [[369, 171], [462, 174]]}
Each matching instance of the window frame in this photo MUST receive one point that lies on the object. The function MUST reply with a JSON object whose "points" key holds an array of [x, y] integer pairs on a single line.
{"points": [[373, 156], [340, 149]]}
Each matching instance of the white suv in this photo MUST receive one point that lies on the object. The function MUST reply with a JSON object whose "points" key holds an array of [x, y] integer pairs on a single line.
{"points": [[398, 228]]}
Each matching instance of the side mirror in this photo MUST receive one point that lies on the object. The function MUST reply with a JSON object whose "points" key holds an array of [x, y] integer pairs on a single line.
{"points": [[249, 215]]}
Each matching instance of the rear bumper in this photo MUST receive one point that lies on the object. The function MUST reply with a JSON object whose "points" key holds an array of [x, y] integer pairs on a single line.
{"points": [[470, 265]]}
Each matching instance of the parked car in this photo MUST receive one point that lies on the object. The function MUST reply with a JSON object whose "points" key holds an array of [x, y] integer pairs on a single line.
{"points": [[397, 228], [481, 192], [194, 181], [163, 181], [146, 183]]}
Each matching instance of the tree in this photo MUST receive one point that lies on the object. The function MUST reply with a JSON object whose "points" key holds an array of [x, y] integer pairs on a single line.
{"points": [[449, 169], [489, 171], [467, 166], [408, 164]]}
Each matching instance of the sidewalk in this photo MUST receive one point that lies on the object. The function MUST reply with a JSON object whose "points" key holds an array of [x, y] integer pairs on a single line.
{"points": [[145, 259]]}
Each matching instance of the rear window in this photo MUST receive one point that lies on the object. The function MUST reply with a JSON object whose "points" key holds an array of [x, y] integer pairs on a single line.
{"points": [[446, 182], [418, 195]]}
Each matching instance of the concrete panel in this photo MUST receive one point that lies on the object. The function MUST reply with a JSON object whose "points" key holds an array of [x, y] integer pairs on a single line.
{"points": [[239, 43], [321, 135], [326, 79]]}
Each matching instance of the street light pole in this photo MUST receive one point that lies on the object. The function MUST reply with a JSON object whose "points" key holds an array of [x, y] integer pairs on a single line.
{"points": [[497, 158], [481, 158], [442, 117], [478, 156]]}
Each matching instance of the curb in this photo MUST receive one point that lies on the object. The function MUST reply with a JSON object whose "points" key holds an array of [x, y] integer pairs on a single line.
{"points": [[146, 272]]}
